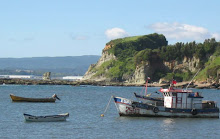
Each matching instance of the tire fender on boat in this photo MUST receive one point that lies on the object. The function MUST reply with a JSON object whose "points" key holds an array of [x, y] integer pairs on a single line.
{"points": [[155, 109], [194, 111]]}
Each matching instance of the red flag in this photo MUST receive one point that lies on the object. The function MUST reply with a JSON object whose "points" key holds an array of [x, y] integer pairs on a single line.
{"points": [[174, 82]]}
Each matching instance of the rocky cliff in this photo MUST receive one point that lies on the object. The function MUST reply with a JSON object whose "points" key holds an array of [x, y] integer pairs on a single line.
{"points": [[142, 71], [93, 69], [131, 60], [188, 63]]}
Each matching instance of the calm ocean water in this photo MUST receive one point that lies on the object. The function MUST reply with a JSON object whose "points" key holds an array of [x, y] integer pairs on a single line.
{"points": [[85, 104]]}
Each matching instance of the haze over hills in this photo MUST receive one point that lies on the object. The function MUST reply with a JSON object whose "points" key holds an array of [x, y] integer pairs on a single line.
{"points": [[59, 66]]}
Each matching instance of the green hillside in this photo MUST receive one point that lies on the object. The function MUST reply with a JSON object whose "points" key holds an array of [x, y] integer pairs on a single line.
{"points": [[153, 48], [128, 47], [125, 50], [212, 67]]}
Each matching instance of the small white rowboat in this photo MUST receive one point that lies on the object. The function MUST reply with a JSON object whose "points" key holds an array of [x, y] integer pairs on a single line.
{"points": [[48, 118]]}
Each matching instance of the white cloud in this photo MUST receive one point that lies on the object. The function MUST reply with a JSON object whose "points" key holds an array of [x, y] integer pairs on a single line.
{"points": [[183, 32], [115, 33], [216, 36]]}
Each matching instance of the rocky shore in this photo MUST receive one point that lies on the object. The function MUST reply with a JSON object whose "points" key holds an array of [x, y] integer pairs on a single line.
{"points": [[192, 85], [35, 82], [102, 83]]}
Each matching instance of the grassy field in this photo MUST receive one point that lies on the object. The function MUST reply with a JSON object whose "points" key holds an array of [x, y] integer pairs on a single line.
{"points": [[123, 40]]}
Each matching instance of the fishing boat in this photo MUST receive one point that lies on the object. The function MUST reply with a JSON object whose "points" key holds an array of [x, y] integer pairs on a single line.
{"points": [[24, 99], [177, 103], [48, 118]]}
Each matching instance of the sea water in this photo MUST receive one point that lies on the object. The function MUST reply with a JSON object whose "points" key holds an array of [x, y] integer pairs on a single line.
{"points": [[85, 104]]}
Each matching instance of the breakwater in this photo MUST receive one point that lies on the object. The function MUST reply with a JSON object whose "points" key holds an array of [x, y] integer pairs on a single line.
{"points": [[36, 82]]}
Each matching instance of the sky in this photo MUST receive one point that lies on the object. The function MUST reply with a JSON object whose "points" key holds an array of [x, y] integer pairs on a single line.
{"points": [[82, 27]]}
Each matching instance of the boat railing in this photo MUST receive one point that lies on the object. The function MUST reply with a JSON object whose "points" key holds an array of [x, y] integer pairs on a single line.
{"points": [[195, 94]]}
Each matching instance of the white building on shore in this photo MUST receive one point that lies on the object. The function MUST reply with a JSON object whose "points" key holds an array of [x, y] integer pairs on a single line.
{"points": [[74, 78]]}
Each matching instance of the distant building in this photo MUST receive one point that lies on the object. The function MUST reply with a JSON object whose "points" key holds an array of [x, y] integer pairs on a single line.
{"points": [[21, 76], [74, 78]]}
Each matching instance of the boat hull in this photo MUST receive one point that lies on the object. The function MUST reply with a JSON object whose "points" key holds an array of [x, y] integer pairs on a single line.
{"points": [[49, 118], [128, 107], [23, 99]]}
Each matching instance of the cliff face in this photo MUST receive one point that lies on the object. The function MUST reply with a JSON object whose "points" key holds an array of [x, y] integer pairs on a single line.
{"points": [[140, 74], [90, 74], [142, 71], [186, 64]]}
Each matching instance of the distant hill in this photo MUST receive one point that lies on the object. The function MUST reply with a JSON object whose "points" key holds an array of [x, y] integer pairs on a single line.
{"points": [[59, 66]]}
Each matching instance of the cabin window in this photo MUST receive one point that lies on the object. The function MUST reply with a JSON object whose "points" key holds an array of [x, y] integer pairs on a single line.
{"points": [[174, 94], [165, 94], [170, 94]]}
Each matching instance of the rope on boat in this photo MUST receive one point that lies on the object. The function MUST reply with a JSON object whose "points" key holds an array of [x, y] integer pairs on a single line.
{"points": [[102, 115], [192, 79]]}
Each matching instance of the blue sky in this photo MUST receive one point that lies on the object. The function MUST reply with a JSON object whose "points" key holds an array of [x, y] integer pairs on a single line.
{"points": [[74, 28]]}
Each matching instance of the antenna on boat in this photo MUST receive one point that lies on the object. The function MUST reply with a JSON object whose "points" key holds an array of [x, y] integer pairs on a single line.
{"points": [[148, 78], [192, 78]]}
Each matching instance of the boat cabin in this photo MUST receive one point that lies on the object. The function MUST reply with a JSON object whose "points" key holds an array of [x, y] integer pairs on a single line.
{"points": [[182, 99]]}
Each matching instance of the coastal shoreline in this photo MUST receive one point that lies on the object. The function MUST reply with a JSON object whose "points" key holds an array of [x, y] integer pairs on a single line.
{"points": [[95, 83]]}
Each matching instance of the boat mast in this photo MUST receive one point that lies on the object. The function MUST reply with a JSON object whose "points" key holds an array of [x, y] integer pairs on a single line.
{"points": [[148, 78]]}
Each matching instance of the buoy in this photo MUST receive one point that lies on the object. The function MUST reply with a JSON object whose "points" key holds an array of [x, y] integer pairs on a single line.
{"points": [[102, 115]]}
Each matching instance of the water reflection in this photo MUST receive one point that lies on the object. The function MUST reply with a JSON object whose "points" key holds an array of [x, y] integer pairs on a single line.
{"points": [[168, 121], [167, 124]]}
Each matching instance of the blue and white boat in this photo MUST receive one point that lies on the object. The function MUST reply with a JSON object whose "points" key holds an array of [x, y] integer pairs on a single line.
{"points": [[177, 103]]}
